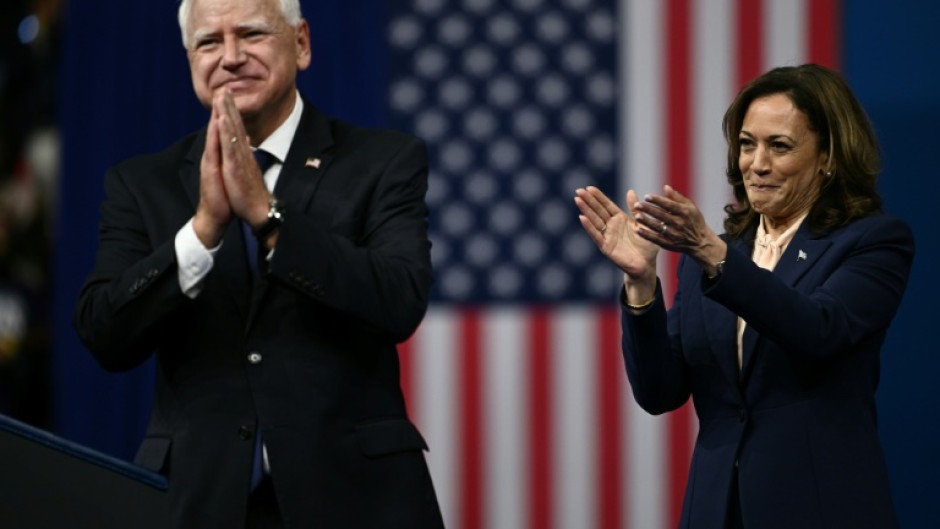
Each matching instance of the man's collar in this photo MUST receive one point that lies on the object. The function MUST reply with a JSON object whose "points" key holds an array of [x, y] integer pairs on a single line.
{"points": [[279, 142]]}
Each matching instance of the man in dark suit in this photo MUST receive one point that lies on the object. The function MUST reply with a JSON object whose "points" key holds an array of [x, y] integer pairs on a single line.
{"points": [[273, 295]]}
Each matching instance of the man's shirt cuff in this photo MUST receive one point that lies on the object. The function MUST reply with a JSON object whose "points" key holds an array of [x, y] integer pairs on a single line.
{"points": [[195, 260]]}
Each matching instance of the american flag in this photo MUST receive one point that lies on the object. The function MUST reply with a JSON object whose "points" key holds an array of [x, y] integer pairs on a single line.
{"points": [[515, 376]]}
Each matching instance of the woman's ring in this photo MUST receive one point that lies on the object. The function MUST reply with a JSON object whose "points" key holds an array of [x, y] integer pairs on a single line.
{"points": [[603, 228], [234, 139], [663, 231]]}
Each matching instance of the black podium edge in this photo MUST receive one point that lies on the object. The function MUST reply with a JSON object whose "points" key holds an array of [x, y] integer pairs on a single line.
{"points": [[119, 466]]}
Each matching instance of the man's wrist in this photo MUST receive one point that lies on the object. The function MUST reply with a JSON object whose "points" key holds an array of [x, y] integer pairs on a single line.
{"points": [[209, 235], [194, 260], [272, 221]]}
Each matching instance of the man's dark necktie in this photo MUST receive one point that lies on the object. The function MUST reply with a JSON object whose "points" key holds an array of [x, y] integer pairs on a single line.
{"points": [[265, 161]]}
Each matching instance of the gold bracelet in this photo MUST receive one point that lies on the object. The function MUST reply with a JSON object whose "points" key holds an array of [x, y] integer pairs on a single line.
{"points": [[642, 306]]}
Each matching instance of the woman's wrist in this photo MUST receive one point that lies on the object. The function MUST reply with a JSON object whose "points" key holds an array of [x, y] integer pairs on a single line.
{"points": [[640, 294], [712, 257]]}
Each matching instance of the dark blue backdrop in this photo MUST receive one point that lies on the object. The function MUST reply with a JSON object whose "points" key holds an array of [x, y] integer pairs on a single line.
{"points": [[125, 90], [891, 58]]}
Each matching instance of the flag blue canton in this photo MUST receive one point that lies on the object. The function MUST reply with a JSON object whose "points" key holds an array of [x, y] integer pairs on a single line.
{"points": [[517, 103]]}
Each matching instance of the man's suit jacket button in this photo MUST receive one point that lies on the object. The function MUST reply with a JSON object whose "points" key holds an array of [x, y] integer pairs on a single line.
{"points": [[318, 290], [152, 273], [254, 358], [245, 432]]}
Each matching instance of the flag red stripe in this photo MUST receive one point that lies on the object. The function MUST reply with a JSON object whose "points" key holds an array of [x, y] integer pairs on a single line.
{"points": [[678, 98], [824, 32], [678, 165], [750, 45], [610, 373], [540, 467], [678, 109], [471, 425]]}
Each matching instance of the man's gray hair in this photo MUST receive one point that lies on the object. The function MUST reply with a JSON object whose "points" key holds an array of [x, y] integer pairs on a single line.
{"points": [[289, 8]]}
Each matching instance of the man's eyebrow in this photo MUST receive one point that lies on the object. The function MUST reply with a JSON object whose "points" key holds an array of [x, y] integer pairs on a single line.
{"points": [[255, 26], [200, 34]]}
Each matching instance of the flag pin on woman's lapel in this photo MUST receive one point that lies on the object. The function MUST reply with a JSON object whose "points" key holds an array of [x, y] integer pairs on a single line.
{"points": [[801, 256], [312, 162]]}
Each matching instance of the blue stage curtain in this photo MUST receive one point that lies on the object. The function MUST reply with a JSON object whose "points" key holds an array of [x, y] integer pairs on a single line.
{"points": [[125, 90]]}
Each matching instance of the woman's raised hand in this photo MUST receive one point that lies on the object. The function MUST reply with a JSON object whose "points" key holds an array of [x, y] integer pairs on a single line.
{"points": [[614, 232]]}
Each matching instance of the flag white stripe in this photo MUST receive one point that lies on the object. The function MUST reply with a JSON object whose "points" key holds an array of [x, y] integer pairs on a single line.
{"points": [[643, 168], [505, 408], [712, 92], [436, 354], [648, 480], [785, 30], [641, 48], [574, 412]]}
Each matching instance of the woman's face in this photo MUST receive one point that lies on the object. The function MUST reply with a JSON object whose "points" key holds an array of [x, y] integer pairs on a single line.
{"points": [[780, 159]]}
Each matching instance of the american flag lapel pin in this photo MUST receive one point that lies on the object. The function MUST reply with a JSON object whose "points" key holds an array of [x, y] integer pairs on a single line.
{"points": [[801, 256], [312, 162]]}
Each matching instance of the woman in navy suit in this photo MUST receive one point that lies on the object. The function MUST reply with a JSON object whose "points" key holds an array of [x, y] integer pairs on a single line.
{"points": [[777, 325]]}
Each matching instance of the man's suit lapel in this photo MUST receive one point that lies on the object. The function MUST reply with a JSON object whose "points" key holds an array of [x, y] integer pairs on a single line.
{"points": [[230, 263], [307, 161], [801, 254]]}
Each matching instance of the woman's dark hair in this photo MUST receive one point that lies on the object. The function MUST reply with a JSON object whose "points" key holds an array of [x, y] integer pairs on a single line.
{"points": [[844, 132]]}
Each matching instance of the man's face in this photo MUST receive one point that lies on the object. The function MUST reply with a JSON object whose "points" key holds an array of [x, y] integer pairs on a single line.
{"points": [[247, 48]]}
